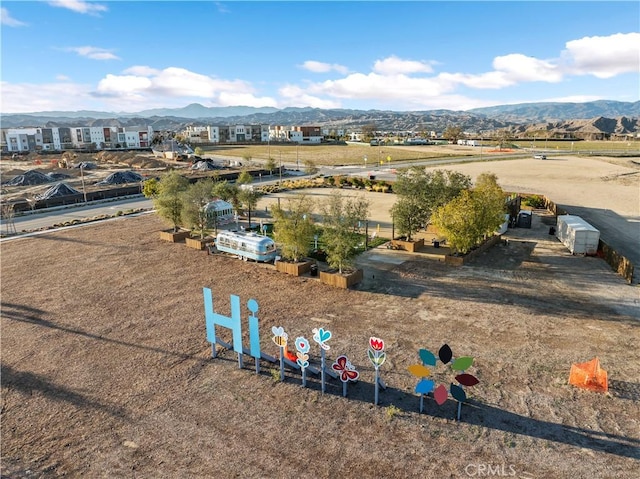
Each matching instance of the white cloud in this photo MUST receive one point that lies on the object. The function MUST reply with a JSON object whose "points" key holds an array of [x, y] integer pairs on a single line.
{"points": [[62, 78], [94, 53], [394, 65], [8, 20], [296, 96], [143, 82], [604, 57], [123, 85], [320, 67], [572, 99], [30, 97], [141, 70], [79, 6]]}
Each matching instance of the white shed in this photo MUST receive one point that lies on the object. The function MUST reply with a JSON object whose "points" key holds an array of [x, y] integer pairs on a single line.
{"points": [[577, 235]]}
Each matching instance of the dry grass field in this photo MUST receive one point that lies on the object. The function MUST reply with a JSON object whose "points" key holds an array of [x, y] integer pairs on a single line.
{"points": [[106, 371]]}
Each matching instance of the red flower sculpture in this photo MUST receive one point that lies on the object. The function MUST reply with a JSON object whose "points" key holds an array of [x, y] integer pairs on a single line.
{"points": [[376, 344]]}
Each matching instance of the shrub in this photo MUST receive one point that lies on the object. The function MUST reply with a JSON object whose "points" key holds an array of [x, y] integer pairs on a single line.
{"points": [[535, 201]]}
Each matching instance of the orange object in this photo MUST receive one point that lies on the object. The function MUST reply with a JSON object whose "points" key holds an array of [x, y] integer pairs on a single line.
{"points": [[589, 376], [289, 355]]}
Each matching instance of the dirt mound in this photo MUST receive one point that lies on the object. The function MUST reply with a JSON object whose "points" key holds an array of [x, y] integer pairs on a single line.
{"points": [[86, 165], [120, 177], [58, 176], [205, 165], [31, 177], [58, 190]]}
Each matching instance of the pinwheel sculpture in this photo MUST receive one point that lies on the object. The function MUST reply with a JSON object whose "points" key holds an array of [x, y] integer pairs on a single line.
{"points": [[441, 393]]}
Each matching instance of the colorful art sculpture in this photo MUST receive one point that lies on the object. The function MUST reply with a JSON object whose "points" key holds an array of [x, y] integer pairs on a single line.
{"points": [[234, 322], [346, 372], [377, 356], [280, 338], [440, 393], [321, 336], [342, 367], [302, 347]]}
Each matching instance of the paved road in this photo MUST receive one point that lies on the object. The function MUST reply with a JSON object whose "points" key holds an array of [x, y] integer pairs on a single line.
{"points": [[60, 215]]}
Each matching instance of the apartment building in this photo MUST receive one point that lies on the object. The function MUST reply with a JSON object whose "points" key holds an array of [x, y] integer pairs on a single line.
{"points": [[82, 137], [252, 134]]}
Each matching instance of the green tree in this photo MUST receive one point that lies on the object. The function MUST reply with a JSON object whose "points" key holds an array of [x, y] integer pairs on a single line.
{"points": [[293, 227], [454, 220], [490, 199], [342, 220], [248, 198], [310, 167], [270, 165], [168, 202], [150, 188], [421, 192], [473, 215], [228, 192], [195, 199], [199, 151], [244, 178], [407, 216]]}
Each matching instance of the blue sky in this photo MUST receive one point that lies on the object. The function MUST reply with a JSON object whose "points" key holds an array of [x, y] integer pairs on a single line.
{"points": [[122, 56]]}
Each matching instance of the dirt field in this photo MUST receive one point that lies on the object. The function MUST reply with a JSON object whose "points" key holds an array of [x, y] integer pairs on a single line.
{"points": [[106, 371]]}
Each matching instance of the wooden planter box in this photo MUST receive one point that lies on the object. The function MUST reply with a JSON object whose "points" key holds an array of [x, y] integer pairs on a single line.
{"points": [[344, 280], [197, 243], [175, 237], [411, 246], [295, 269]]}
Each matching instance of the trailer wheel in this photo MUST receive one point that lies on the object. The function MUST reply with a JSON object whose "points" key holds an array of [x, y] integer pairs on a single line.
{"points": [[244, 258]]}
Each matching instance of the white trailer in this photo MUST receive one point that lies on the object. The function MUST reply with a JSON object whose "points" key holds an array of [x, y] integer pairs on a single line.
{"points": [[577, 235], [247, 245]]}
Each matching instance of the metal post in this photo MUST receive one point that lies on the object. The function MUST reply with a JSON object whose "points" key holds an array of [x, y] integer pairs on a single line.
{"points": [[84, 191], [366, 235]]}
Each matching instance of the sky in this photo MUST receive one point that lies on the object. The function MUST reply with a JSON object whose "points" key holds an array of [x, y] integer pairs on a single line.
{"points": [[121, 56]]}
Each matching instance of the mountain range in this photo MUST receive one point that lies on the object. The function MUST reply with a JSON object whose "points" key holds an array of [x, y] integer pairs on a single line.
{"points": [[614, 116]]}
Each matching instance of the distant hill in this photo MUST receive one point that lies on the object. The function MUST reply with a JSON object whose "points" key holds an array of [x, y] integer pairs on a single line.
{"points": [[591, 118], [528, 112]]}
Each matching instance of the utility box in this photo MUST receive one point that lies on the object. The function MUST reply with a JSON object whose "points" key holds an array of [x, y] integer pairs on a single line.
{"points": [[577, 235], [524, 219]]}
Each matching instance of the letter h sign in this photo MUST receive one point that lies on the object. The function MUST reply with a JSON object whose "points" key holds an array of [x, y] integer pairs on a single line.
{"points": [[234, 324]]}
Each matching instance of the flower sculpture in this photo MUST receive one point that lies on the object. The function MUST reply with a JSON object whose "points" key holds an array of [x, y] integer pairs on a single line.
{"points": [[345, 371], [440, 393], [377, 356], [302, 347]]}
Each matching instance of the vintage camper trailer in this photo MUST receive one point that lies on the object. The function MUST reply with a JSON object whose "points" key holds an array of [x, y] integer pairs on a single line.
{"points": [[577, 235], [247, 245]]}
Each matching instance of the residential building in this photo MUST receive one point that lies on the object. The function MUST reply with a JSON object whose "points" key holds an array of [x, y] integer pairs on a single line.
{"points": [[62, 138]]}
